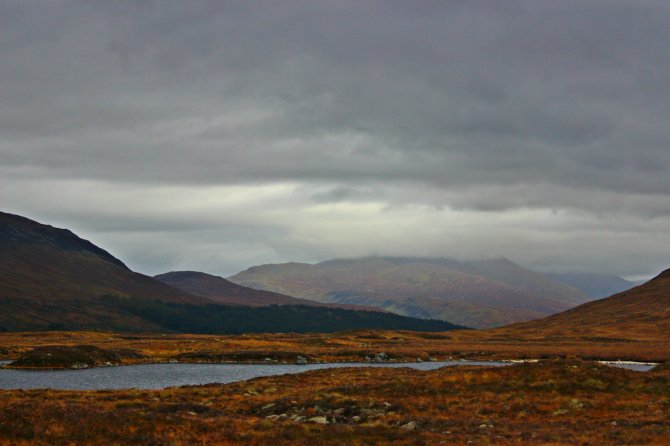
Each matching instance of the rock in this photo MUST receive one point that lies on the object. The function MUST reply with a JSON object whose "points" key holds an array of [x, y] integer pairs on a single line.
{"points": [[409, 426], [319, 420], [272, 417], [419, 360], [300, 360], [381, 357], [339, 411], [367, 412], [268, 406], [574, 403], [356, 419]]}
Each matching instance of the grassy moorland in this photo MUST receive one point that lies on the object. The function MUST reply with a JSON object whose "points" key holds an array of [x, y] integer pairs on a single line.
{"points": [[551, 403], [343, 346]]}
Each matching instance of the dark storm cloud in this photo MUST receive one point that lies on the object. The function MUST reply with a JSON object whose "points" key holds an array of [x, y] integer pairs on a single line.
{"points": [[465, 105]]}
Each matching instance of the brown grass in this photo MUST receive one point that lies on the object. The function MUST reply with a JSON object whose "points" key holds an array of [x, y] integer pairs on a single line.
{"points": [[344, 346]]}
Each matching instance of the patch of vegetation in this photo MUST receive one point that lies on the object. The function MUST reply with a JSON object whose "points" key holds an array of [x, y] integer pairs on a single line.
{"points": [[214, 318], [60, 356]]}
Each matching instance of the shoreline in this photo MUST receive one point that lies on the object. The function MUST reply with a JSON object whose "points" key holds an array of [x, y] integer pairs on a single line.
{"points": [[6, 364]]}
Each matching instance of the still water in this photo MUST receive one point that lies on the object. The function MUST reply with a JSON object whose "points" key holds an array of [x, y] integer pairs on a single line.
{"points": [[158, 376]]}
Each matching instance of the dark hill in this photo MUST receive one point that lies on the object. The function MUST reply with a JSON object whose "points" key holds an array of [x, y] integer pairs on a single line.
{"points": [[20, 231], [50, 278]]}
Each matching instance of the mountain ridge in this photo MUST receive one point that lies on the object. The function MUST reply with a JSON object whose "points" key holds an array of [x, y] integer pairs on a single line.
{"points": [[388, 282]]}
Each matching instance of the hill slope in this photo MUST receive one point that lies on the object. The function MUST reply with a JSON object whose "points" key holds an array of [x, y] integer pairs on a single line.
{"points": [[640, 313], [52, 279], [478, 294], [226, 292]]}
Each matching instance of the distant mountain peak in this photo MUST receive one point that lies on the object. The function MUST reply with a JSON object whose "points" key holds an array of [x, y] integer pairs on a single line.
{"points": [[474, 293]]}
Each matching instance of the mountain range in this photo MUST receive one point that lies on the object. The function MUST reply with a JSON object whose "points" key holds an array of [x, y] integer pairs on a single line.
{"points": [[594, 285], [52, 279], [479, 294]]}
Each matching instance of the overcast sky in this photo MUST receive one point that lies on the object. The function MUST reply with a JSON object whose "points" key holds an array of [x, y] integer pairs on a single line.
{"points": [[219, 135]]}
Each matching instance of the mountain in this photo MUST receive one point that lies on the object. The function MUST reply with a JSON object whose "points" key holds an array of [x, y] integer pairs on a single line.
{"points": [[642, 312], [226, 292], [52, 279], [477, 294], [595, 286]]}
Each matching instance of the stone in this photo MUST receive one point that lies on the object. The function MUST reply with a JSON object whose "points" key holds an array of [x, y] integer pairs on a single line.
{"points": [[319, 420], [409, 426]]}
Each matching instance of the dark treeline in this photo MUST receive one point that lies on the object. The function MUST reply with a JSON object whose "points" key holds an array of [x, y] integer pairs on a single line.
{"points": [[223, 319]]}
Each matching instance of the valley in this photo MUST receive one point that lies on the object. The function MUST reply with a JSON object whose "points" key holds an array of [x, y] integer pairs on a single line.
{"points": [[68, 305]]}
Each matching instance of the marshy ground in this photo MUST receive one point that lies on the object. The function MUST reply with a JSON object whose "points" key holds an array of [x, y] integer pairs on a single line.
{"points": [[551, 402], [560, 400]]}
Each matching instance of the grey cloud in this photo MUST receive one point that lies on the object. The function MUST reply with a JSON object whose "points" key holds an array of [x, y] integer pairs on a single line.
{"points": [[471, 106]]}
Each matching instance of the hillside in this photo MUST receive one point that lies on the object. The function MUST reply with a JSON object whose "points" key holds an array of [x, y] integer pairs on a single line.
{"points": [[478, 294], [596, 286], [640, 313], [226, 292], [50, 279]]}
